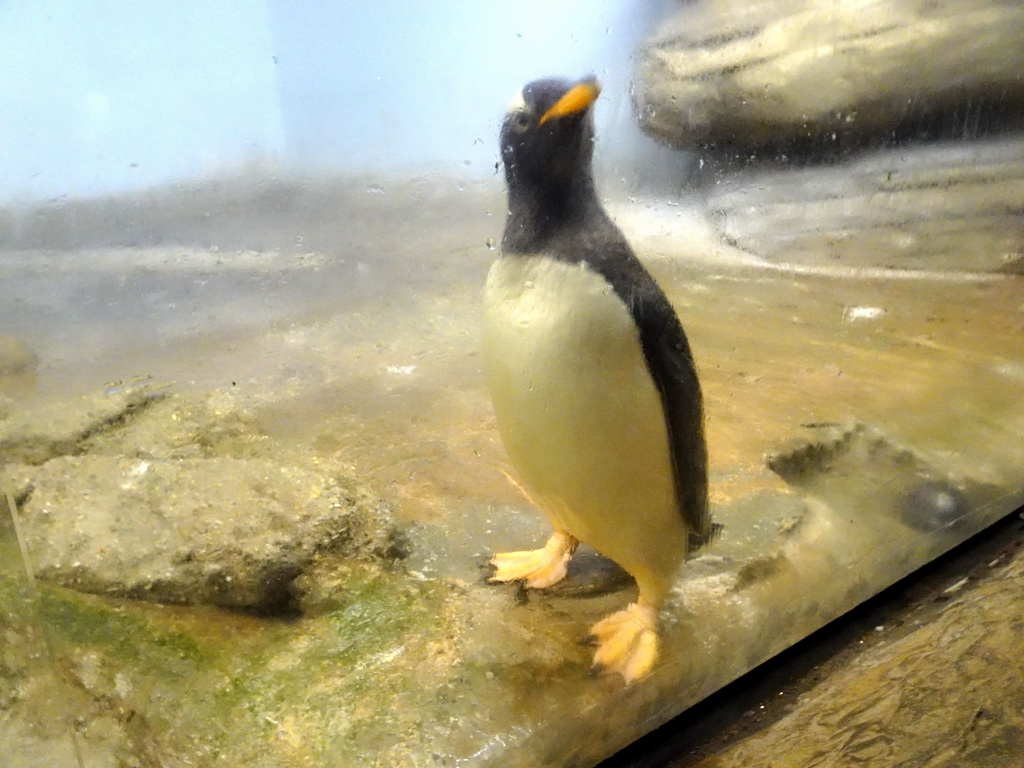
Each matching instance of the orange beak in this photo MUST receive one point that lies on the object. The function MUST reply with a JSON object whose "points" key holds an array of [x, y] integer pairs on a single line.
{"points": [[576, 99]]}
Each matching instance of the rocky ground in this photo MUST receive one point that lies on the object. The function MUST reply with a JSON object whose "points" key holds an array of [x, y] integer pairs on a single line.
{"points": [[307, 484]]}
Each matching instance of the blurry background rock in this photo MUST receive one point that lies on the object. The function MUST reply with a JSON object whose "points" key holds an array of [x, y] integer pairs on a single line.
{"points": [[781, 71], [933, 89], [945, 206]]}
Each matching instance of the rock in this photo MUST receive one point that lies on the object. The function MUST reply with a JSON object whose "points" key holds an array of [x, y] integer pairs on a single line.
{"points": [[16, 480], [784, 71], [33, 436], [186, 426], [228, 532], [931, 505], [946, 206], [832, 464]]}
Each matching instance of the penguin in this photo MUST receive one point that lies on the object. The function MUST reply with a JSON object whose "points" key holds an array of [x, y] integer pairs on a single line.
{"points": [[592, 379]]}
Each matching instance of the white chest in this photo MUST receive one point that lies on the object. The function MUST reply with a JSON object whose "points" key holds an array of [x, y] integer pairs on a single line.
{"points": [[576, 407], [542, 306]]}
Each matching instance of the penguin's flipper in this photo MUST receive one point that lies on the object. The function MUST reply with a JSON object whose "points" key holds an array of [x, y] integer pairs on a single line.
{"points": [[627, 641], [540, 568]]}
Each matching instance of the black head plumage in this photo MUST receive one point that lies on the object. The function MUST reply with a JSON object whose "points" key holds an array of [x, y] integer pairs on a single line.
{"points": [[540, 148], [547, 143]]}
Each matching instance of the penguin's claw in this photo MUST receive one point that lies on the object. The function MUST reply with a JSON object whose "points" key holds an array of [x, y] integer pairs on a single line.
{"points": [[539, 568], [627, 642]]}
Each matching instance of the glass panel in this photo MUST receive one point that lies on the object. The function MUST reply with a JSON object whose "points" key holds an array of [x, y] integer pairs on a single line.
{"points": [[252, 471]]}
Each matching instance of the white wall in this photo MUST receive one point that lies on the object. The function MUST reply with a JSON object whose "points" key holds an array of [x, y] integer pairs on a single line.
{"points": [[107, 95], [104, 95]]}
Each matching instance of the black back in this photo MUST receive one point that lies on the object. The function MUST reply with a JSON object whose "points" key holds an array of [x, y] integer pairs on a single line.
{"points": [[554, 210]]}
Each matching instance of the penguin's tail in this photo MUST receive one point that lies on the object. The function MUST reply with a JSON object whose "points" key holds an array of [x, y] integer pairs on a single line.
{"points": [[701, 540]]}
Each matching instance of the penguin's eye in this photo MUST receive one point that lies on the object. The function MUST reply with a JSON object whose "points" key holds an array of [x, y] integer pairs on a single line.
{"points": [[521, 120]]}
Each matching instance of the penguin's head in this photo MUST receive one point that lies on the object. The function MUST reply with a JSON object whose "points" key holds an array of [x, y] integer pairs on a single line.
{"points": [[548, 134]]}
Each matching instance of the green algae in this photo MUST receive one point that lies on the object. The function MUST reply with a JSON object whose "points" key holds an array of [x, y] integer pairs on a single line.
{"points": [[258, 691], [75, 622], [334, 684]]}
